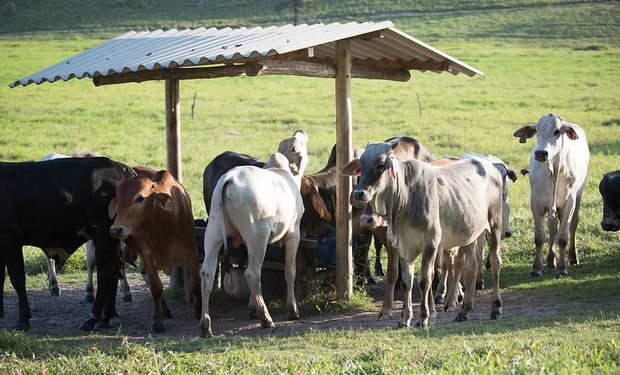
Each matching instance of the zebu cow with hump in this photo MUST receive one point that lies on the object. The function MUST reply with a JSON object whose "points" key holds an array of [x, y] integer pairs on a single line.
{"points": [[60, 204], [558, 173], [258, 207], [152, 214], [609, 187], [429, 208]]}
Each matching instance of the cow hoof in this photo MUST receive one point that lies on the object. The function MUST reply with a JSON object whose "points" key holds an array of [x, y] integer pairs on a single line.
{"points": [[89, 298], [479, 285], [167, 314], [461, 318], [439, 300], [158, 328], [402, 324], [205, 329], [370, 281], [55, 292], [384, 315], [267, 323], [421, 324], [88, 326], [495, 315], [293, 313], [253, 313], [127, 298], [536, 274], [379, 272], [102, 325], [562, 273], [21, 326], [550, 265], [573, 262]]}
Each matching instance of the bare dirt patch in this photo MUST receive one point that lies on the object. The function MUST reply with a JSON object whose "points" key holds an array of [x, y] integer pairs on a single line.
{"points": [[63, 315]]}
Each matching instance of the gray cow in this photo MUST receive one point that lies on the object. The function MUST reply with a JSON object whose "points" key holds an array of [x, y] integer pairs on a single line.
{"points": [[428, 208]]}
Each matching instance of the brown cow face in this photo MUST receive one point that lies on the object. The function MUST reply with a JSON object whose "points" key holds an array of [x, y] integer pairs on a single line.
{"points": [[137, 200], [374, 166]]}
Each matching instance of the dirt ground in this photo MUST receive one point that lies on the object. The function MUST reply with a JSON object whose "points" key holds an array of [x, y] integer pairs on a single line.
{"points": [[63, 315]]}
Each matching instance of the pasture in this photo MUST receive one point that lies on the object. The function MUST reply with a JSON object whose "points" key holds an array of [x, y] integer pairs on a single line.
{"points": [[539, 57]]}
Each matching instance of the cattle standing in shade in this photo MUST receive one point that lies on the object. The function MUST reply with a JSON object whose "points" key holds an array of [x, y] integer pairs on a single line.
{"points": [[558, 173], [610, 191], [56, 259], [60, 204], [429, 208], [153, 216], [258, 207]]}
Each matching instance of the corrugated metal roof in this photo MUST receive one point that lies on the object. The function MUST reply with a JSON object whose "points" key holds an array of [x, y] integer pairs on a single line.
{"points": [[151, 50]]}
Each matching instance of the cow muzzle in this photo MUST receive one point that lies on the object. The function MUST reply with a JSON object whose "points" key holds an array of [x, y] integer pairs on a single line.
{"points": [[359, 198], [368, 222], [119, 232], [541, 155]]}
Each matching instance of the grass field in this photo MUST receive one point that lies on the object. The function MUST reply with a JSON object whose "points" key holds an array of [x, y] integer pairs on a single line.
{"points": [[538, 56]]}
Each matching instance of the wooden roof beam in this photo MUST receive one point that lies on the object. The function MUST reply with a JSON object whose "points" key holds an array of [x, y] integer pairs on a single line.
{"points": [[172, 73]]}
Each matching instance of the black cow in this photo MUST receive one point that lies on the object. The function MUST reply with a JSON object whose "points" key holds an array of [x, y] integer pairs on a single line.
{"points": [[60, 204], [610, 191]]}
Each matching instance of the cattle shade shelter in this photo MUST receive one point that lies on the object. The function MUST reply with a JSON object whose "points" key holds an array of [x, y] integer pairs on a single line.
{"points": [[341, 51]]}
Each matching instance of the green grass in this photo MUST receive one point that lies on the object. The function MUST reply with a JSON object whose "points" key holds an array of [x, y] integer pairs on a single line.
{"points": [[539, 57]]}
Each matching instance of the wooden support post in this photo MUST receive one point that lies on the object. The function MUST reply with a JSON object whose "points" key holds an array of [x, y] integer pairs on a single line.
{"points": [[173, 156], [344, 263]]}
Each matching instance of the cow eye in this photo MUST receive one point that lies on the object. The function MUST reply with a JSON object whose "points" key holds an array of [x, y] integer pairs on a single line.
{"points": [[140, 199], [556, 132], [294, 149], [380, 167]]}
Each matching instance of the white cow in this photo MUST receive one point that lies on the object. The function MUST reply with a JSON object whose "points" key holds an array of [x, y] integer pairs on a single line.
{"points": [[558, 172], [428, 208], [62, 256], [259, 207]]}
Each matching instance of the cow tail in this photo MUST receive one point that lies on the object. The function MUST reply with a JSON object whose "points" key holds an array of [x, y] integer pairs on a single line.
{"points": [[226, 263]]}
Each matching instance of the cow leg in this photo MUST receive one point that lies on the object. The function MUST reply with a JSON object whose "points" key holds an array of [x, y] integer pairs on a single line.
{"points": [[407, 313], [193, 266], [14, 259], [207, 273], [458, 260], [495, 257], [257, 246], [442, 287], [290, 246], [392, 275], [378, 265], [108, 263], [539, 239], [480, 253], [573, 256], [157, 289], [566, 214], [469, 253], [127, 297], [552, 225], [2, 277], [361, 258], [89, 296], [52, 279], [426, 279]]}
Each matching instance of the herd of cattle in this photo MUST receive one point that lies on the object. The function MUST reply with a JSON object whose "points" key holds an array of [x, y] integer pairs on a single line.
{"points": [[447, 210]]}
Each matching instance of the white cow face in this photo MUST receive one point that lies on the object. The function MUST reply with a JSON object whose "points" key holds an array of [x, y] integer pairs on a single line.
{"points": [[551, 132], [372, 166], [295, 149]]}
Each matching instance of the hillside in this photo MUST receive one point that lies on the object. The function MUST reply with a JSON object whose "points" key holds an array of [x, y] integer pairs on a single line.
{"points": [[546, 20]]}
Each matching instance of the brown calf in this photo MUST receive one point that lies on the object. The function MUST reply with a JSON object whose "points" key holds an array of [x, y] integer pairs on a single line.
{"points": [[152, 214]]}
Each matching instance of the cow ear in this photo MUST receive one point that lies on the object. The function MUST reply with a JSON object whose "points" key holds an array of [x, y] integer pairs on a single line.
{"points": [[112, 209], [570, 132], [164, 200], [392, 164], [394, 145], [525, 171], [511, 175], [525, 132], [352, 168], [319, 206]]}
